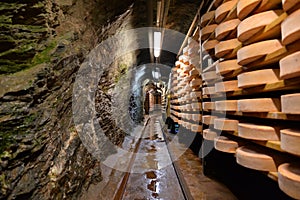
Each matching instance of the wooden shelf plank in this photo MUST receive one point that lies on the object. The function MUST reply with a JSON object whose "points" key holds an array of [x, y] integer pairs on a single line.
{"points": [[288, 84], [270, 115]]}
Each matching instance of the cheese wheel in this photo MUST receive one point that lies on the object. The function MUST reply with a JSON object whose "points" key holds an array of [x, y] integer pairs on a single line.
{"points": [[253, 52], [194, 72], [226, 105], [246, 7], [208, 119], [196, 106], [290, 140], [225, 48], [209, 134], [290, 28], [223, 10], [289, 179], [227, 66], [208, 90], [209, 45], [226, 145], [196, 128], [258, 132], [196, 82], [207, 106], [252, 25], [195, 94], [227, 29], [226, 124], [289, 4], [253, 158], [290, 66], [196, 117], [226, 86], [206, 31], [209, 16], [259, 77], [291, 103], [210, 76], [259, 105], [188, 107]]}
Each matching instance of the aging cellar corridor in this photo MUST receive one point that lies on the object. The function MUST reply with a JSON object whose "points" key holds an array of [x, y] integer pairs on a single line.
{"points": [[149, 99]]}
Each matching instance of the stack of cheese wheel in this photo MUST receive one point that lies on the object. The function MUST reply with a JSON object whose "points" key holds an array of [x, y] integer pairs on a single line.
{"points": [[257, 68]]}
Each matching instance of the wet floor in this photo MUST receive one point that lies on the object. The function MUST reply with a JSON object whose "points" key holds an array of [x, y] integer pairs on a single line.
{"points": [[151, 172], [152, 175]]}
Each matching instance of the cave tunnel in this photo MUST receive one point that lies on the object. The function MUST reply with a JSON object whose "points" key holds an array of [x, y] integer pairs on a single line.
{"points": [[149, 99]]}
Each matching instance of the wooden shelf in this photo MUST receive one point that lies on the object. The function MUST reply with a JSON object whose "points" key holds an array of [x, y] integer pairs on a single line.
{"points": [[282, 85], [275, 145], [270, 115]]}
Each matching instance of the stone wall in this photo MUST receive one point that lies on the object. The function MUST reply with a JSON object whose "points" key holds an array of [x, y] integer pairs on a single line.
{"points": [[43, 44]]}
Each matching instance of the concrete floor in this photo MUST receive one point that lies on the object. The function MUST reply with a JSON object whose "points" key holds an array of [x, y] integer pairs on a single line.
{"points": [[153, 175]]}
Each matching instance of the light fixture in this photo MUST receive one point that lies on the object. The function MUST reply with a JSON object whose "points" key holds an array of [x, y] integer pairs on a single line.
{"points": [[157, 41]]}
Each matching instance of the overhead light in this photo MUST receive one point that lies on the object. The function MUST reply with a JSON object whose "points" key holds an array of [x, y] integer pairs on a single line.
{"points": [[157, 41]]}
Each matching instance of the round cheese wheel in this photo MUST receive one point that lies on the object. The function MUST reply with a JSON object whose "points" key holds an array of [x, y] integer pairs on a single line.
{"points": [[196, 106], [196, 128], [245, 7], [290, 103], [289, 179], [259, 105], [255, 23], [290, 66], [227, 29], [225, 48], [208, 90], [196, 117], [207, 31], [194, 72], [207, 17], [226, 145], [290, 140], [223, 10], [209, 134], [207, 76], [196, 82], [208, 119], [289, 4], [207, 106], [226, 124], [258, 132], [290, 28], [253, 52], [226, 105], [253, 158], [226, 86], [209, 45], [259, 77], [195, 94], [227, 66], [248, 7]]}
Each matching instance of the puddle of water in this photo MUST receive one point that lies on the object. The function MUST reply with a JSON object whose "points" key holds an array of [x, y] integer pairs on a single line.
{"points": [[151, 175], [155, 195], [152, 186]]}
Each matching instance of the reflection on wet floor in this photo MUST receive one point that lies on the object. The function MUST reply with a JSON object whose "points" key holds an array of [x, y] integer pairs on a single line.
{"points": [[151, 172], [158, 179]]}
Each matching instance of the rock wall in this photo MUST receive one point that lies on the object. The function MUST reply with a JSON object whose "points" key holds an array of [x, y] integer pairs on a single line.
{"points": [[43, 44]]}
